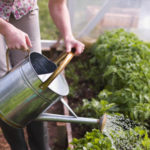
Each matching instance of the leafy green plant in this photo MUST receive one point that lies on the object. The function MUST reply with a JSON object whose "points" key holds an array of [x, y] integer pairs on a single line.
{"points": [[118, 67], [135, 139], [124, 63], [92, 141], [94, 108], [84, 75]]}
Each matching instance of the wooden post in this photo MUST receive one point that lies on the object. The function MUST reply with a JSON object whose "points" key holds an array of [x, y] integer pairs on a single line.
{"points": [[68, 126]]}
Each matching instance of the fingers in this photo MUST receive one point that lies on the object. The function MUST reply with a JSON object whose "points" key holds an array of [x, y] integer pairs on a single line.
{"points": [[26, 43], [23, 44], [16, 39], [79, 47], [68, 47]]}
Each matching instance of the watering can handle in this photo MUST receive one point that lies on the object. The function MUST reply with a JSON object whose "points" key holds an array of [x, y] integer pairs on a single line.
{"points": [[7, 58], [67, 58]]}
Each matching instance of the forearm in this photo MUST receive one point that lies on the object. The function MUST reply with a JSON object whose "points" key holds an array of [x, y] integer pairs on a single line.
{"points": [[3, 25], [60, 15], [15, 38]]}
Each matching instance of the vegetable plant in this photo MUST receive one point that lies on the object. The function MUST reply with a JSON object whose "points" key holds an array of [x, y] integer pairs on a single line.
{"points": [[117, 71], [132, 139]]}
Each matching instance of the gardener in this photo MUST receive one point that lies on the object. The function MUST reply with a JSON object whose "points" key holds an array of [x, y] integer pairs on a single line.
{"points": [[19, 30]]}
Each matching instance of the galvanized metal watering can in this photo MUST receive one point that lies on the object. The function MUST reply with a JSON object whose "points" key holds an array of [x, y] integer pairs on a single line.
{"points": [[32, 87]]}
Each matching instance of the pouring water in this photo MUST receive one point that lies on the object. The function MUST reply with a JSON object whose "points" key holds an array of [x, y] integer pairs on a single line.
{"points": [[114, 124]]}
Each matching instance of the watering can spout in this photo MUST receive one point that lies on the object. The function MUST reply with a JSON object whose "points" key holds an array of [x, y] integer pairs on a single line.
{"points": [[72, 119]]}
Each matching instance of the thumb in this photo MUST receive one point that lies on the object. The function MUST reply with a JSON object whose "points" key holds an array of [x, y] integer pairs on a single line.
{"points": [[28, 41], [68, 48]]}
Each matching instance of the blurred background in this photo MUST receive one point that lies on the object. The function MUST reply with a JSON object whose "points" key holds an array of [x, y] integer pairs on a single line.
{"points": [[91, 18]]}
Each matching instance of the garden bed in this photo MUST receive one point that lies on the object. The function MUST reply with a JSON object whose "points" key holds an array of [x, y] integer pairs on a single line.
{"points": [[110, 77]]}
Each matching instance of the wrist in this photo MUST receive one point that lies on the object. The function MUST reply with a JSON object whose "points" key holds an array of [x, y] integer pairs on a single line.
{"points": [[68, 37]]}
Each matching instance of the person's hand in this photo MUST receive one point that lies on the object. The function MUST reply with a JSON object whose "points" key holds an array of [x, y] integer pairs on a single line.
{"points": [[71, 42], [16, 39]]}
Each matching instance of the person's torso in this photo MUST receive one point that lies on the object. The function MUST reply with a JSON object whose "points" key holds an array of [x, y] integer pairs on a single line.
{"points": [[18, 8]]}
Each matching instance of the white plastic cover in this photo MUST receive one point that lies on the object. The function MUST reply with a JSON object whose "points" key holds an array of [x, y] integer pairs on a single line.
{"points": [[90, 18]]}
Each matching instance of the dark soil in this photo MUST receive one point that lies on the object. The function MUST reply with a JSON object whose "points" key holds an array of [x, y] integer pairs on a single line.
{"points": [[55, 144]]}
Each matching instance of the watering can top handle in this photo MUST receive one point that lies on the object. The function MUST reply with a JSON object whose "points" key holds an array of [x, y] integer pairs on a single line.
{"points": [[67, 58], [63, 55]]}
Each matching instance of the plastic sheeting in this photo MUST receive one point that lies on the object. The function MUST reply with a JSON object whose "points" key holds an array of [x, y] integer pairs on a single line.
{"points": [[90, 18]]}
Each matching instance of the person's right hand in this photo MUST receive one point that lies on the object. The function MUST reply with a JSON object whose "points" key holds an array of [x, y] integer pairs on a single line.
{"points": [[15, 38]]}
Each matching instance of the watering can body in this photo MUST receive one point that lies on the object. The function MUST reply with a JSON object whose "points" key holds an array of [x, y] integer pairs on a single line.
{"points": [[21, 98], [32, 87]]}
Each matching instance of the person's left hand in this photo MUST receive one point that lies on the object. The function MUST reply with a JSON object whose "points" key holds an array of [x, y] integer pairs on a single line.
{"points": [[71, 42]]}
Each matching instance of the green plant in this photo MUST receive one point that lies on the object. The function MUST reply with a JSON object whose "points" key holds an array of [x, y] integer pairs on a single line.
{"points": [[92, 141], [94, 108], [80, 81], [132, 139], [135, 139], [123, 61], [118, 67]]}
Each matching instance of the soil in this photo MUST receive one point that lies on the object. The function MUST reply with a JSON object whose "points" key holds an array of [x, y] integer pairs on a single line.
{"points": [[54, 129]]}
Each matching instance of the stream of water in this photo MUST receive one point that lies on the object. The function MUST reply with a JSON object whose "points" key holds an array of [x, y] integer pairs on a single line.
{"points": [[116, 124]]}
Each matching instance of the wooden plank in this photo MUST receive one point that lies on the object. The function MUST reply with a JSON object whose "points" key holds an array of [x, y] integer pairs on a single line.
{"points": [[120, 20], [61, 135], [68, 126]]}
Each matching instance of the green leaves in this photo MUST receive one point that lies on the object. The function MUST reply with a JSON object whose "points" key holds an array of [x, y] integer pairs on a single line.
{"points": [[93, 141], [135, 139], [124, 62], [94, 108], [119, 68]]}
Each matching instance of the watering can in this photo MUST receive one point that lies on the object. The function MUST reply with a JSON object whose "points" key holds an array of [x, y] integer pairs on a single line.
{"points": [[32, 87]]}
